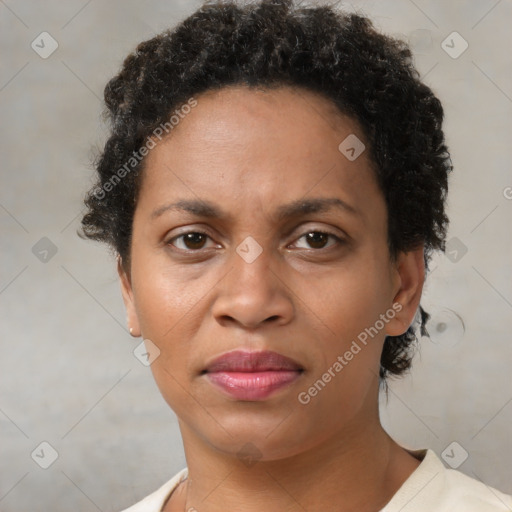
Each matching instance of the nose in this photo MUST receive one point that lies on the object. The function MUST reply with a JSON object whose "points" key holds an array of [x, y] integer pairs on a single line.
{"points": [[254, 293]]}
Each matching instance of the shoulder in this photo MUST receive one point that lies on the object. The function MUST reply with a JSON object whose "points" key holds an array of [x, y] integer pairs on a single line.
{"points": [[433, 487], [155, 501], [474, 493]]}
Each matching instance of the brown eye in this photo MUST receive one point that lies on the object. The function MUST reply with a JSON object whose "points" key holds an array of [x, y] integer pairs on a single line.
{"points": [[189, 241], [194, 240], [319, 240]]}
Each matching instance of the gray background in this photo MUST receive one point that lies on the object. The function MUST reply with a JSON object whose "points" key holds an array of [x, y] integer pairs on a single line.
{"points": [[69, 376]]}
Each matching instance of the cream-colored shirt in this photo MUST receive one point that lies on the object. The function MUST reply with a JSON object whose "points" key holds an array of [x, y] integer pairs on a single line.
{"points": [[430, 488]]}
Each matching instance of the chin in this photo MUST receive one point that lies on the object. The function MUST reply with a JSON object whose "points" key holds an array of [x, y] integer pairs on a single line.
{"points": [[260, 437]]}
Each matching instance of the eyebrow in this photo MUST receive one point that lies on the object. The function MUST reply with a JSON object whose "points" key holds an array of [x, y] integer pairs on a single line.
{"points": [[297, 208]]}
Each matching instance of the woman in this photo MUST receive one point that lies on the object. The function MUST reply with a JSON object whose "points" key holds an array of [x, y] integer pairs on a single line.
{"points": [[274, 185]]}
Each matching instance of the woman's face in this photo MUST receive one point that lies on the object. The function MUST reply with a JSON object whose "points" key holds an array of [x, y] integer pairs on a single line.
{"points": [[262, 273]]}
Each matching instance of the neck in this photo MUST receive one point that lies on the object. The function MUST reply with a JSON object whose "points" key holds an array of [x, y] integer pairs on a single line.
{"points": [[358, 469]]}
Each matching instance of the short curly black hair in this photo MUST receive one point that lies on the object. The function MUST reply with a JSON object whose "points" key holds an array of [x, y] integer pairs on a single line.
{"points": [[274, 43]]}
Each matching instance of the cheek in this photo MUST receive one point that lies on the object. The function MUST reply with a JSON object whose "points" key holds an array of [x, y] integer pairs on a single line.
{"points": [[172, 303], [168, 308], [346, 300], [348, 304], [346, 360], [164, 296]]}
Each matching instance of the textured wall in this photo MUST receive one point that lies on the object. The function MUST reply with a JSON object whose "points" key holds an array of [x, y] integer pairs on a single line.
{"points": [[69, 377]]}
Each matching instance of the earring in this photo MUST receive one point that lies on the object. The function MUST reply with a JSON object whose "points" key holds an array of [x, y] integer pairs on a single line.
{"points": [[131, 331]]}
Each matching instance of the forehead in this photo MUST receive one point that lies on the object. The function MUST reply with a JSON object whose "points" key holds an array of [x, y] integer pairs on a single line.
{"points": [[252, 146], [238, 113]]}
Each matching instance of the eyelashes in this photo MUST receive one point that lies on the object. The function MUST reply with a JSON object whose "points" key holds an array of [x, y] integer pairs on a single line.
{"points": [[190, 237], [324, 235]]}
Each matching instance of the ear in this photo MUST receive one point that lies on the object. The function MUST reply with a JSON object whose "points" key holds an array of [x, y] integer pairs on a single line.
{"points": [[127, 292], [409, 273]]}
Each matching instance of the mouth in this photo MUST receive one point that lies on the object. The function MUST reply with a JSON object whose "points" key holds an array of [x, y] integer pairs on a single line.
{"points": [[252, 376]]}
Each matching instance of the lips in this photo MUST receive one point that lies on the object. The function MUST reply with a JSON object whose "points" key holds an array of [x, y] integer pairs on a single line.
{"points": [[252, 376], [241, 361]]}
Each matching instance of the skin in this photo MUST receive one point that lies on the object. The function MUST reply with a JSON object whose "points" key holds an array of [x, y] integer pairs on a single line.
{"points": [[249, 152]]}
